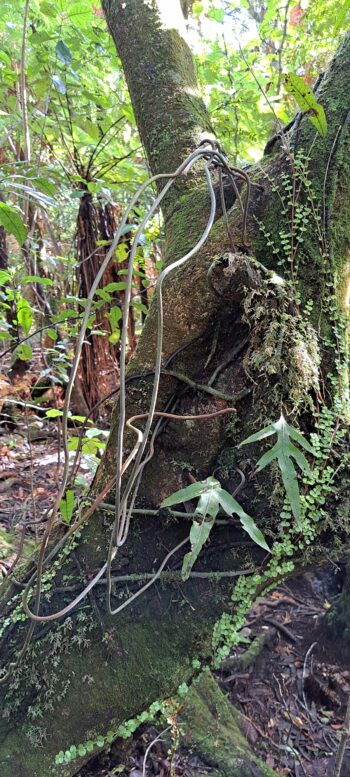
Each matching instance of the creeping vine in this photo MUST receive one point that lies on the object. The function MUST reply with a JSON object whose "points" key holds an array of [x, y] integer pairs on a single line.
{"points": [[209, 152]]}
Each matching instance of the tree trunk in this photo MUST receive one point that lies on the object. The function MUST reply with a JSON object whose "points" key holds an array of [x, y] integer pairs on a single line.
{"points": [[90, 672], [10, 312], [11, 317], [337, 617], [99, 357], [213, 731]]}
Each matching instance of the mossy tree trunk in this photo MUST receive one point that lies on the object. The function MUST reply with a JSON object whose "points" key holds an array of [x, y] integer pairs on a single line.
{"points": [[90, 672], [212, 730]]}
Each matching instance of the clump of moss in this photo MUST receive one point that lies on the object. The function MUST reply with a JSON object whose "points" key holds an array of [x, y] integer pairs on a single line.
{"points": [[283, 346]]}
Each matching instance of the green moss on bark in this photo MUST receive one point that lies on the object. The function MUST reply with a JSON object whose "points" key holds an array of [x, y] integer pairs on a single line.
{"points": [[160, 74], [106, 683], [211, 728]]}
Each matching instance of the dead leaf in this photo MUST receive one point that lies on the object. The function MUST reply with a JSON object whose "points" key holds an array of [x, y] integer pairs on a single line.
{"points": [[296, 15]]}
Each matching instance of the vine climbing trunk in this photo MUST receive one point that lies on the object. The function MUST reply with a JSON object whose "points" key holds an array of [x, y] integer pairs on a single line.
{"points": [[250, 324]]}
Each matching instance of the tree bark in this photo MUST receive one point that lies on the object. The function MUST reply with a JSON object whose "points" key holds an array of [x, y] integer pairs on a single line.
{"points": [[99, 368], [213, 731], [89, 672]]}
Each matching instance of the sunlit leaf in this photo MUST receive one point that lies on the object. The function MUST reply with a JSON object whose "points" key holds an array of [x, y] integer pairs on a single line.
{"points": [[67, 505], [37, 279], [49, 8], [4, 277], [24, 352], [114, 315], [73, 443], [114, 337], [52, 334], [58, 83], [46, 186], [24, 315], [304, 96]]}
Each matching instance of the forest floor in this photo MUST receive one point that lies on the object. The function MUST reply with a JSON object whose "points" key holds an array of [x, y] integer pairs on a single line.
{"points": [[292, 695]]}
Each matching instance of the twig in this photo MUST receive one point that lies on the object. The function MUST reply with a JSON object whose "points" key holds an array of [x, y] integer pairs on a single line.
{"points": [[31, 458], [281, 627], [281, 47], [157, 739], [305, 669], [229, 358], [175, 575], [198, 386], [23, 87]]}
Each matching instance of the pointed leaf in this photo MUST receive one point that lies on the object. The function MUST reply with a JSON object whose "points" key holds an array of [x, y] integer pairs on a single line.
{"points": [[284, 451], [266, 432], [200, 532], [24, 315], [303, 95], [67, 505], [280, 425], [255, 534], [198, 536], [341, 16], [37, 279], [298, 437], [63, 52], [290, 482], [269, 456], [114, 286], [229, 504], [184, 494], [58, 83], [12, 222], [299, 457], [46, 186], [208, 503]]}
